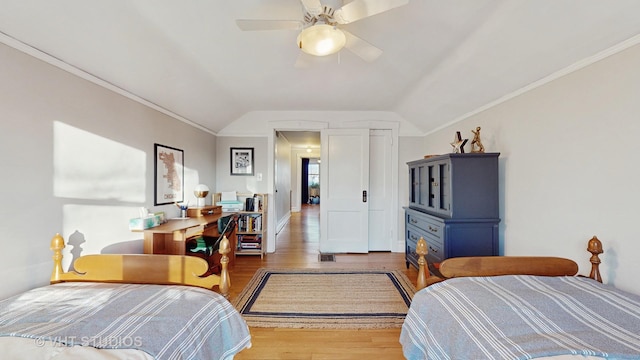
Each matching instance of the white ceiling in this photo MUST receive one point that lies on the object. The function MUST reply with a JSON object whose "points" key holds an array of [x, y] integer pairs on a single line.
{"points": [[442, 59]]}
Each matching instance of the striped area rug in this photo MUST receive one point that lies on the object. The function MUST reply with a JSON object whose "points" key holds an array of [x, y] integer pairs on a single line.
{"points": [[326, 299]]}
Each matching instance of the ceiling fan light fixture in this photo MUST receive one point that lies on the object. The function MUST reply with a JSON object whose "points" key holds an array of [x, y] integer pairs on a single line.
{"points": [[321, 40]]}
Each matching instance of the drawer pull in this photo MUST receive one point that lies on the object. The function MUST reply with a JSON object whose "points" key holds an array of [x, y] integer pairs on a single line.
{"points": [[433, 250], [432, 229], [413, 237], [413, 221]]}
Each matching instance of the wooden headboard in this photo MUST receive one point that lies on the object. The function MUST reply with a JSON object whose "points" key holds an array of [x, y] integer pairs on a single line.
{"points": [[502, 265], [142, 268]]}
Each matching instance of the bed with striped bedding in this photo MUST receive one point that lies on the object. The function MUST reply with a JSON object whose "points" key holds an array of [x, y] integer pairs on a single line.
{"points": [[522, 317], [145, 321]]}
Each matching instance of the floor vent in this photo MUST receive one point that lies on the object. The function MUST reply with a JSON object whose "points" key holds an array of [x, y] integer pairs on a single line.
{"points": [[326, 257]]}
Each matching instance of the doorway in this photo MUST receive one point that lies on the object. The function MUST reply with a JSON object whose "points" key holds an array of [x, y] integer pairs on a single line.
{"points": [[290, 149], [385, 159], [294, 150]]}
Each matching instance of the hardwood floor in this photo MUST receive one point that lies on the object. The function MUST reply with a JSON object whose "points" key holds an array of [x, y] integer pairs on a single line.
{"points": [[297, 247]]}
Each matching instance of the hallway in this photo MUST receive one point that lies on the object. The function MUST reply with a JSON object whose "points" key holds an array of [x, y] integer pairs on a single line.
{"points": [[301, 235]]}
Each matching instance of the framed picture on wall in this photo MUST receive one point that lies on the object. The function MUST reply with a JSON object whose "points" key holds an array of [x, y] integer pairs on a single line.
{"points": [[242, 161], [169, 175]]}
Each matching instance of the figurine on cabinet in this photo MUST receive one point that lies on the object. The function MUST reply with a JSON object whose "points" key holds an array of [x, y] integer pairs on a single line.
{"points": [[476, 144], [458, 143]]}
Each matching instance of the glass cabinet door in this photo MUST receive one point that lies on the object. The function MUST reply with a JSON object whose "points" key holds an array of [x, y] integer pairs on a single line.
{"points": [[414, 182], [444, 191], [424, 183], [430, 187], [419, 185], [437, 189], [414, 186]]}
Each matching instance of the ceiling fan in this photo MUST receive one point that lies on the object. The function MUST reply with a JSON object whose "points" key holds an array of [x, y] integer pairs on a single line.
{"points": [[321, 31]]}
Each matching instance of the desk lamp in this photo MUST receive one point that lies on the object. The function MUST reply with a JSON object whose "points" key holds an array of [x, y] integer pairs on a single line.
{"points": [[201, 191]]}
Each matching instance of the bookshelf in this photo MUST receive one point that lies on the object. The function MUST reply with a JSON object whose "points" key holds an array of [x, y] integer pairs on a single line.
{"points": [[251, 227]]}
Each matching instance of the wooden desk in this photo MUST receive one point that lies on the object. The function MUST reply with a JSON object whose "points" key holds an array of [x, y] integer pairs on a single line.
{"points": [[171, 237]]}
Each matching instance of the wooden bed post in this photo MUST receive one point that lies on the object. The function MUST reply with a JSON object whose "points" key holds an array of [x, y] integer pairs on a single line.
{"points": [[595, 248], [423, 270], [225, 280], [57, 244]]}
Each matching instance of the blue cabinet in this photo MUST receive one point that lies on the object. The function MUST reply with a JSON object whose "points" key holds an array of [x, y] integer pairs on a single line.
{"points": [[453, 204]]}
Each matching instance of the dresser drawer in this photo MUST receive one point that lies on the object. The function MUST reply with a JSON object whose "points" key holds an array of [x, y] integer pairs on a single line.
{"points": [[428, 224], [413, 235], [435, 247], [410, 255], [435, 252]]}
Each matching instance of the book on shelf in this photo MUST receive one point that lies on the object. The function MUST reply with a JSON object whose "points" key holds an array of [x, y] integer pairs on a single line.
{"points": [[250, 223], [249, 204], [250, 238], [251, 246], [258, 201]]}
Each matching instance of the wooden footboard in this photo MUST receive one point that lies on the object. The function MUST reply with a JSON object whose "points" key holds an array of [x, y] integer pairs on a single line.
{"points": [[504, 265], [142, 268]]}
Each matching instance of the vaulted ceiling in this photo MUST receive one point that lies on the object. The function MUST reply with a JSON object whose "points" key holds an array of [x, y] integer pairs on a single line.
{"points": [[441, 60]]}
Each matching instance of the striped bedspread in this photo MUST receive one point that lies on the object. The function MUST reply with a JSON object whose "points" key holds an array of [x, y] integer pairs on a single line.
{"points": [[167, 322], [521, 317]]}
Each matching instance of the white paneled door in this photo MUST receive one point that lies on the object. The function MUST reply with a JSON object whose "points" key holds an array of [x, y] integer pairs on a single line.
{"points": [[380, 190], [344, 182]]}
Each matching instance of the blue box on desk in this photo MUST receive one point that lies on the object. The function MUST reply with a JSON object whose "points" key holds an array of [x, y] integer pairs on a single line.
{"points": [[146, 222]]}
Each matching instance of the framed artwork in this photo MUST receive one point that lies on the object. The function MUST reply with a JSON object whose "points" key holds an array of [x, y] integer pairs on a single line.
{"points": [[242, 161], [169, 175]]}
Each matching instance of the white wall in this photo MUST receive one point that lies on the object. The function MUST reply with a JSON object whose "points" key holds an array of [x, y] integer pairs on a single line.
{"points": [[282, 193], [260, 123], [78, 159], [245, 184], [569, 166]]}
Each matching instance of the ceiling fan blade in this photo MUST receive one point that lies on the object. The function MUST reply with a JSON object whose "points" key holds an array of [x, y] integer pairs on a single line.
{"points": [[313, 7], [363, 49], [255, 25], [360, 9]]}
